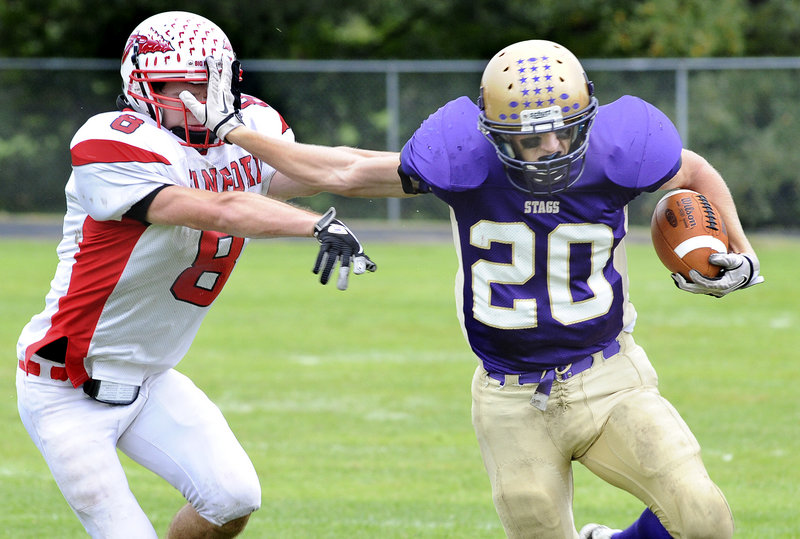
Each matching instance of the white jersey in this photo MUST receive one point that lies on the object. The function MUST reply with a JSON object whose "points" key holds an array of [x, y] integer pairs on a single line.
{"points": [[129, 297]]}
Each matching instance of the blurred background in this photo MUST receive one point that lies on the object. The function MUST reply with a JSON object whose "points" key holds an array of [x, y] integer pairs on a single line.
{"points": [[366, 73]]}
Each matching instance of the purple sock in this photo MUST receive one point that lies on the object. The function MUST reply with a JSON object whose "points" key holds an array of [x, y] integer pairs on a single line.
{"points": [[646, 527]]}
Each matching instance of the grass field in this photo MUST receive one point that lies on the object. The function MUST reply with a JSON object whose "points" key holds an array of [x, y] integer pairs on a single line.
{"points": [[355, 406]]}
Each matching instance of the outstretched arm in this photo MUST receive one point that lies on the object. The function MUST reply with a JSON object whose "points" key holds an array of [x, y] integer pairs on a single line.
{"points": [[303, 169], [237, 213], [307, 169], [247, 214]]}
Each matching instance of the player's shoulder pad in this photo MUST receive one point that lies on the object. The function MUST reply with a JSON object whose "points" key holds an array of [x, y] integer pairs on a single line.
{"points": [[120, 157], [261, 117], [448, 151], [642, 145]]}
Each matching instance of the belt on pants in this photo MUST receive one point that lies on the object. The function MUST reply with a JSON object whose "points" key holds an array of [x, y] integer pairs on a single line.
{"points": [[54, 372], [546, 377], [104, 391]]}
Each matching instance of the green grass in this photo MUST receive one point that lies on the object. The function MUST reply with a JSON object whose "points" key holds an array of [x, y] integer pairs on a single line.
{"points": [[355, 405]]}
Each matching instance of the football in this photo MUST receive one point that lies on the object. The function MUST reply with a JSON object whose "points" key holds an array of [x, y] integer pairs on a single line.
{"points": [[686, 228]]}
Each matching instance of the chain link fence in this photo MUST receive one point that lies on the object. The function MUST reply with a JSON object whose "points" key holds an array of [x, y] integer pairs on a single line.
{"points": [[740, 113]]}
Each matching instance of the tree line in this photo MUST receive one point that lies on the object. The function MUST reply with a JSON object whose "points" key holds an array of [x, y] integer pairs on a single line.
{"points": [[370, 29], [744, 122]]}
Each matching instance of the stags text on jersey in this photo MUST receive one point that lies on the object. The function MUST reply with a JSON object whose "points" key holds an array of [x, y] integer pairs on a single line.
{"points": [[541, 206]]}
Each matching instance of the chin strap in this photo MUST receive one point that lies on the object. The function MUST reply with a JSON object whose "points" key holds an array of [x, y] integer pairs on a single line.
{"points": [[122, 103], [143, 89], [198, 138]]}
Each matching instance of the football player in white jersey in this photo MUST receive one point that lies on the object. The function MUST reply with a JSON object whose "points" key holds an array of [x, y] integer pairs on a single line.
{"points": [[159, 209]]}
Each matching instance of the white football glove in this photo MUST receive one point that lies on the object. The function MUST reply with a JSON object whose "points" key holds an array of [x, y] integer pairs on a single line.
{"points": [[221, 112], [738, 271]]}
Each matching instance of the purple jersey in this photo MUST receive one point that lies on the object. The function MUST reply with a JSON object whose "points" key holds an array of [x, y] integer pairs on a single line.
{"points": [[542, 280]]}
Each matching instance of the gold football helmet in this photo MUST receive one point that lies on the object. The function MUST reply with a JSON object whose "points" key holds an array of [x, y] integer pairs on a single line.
{"points": [[535, 87]]}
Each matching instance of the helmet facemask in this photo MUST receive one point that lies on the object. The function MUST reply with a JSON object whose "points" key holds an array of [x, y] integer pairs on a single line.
{"points": [[196, 136], [551, 173], [537, 87]]}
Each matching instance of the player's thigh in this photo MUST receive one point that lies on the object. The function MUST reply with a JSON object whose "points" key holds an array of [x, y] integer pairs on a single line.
{"points": [[647, 449], [183, 437], [531, 478], [643, 438], [77, 437]]}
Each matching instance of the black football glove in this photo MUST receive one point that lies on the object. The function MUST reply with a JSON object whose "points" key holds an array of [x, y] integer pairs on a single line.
{"points": [[337, 242]]}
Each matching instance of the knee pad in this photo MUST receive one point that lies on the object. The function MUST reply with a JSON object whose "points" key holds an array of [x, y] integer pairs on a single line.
{"points": [[707, 516], [239, 499]]}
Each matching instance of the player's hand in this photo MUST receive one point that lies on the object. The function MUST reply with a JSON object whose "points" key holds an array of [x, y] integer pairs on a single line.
{"points": [[221, 112], [738, 271], [337, 242]]}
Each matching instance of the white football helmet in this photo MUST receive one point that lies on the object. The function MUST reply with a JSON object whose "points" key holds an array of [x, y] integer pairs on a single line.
{"points": [[534, 87], [171, 46]]}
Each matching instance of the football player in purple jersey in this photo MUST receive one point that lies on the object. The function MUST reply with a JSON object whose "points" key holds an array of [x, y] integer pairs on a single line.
{"points": [[538, 176]]}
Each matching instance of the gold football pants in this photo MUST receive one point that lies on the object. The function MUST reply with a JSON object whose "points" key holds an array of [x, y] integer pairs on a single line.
{"points": [[610, 418]]}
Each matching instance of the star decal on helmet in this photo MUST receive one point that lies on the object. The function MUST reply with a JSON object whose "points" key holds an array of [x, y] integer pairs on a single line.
{"points": [[527, 81]]}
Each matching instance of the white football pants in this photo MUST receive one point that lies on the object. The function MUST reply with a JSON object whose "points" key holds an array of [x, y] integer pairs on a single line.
{"points": [[172, 429]]}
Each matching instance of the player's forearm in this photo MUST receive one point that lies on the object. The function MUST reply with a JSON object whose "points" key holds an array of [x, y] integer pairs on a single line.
{"points": [[303, 162], [699, 175], [340, 170], [256, 216], [232, 212], [721, 197]]}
